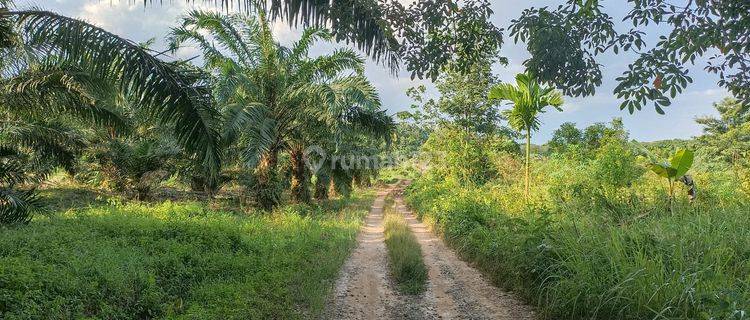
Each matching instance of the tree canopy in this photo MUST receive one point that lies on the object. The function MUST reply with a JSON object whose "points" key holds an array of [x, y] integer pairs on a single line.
{"points": [[581, 31]]}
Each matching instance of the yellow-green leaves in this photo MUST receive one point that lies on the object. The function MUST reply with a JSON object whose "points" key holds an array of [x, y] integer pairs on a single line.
{"points": [[681, 162], [678, 165]]}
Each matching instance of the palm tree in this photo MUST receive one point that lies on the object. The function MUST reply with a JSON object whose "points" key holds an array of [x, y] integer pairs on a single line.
{"points": [[86, 53], [359, 133], [529, 99], [272, 96]]}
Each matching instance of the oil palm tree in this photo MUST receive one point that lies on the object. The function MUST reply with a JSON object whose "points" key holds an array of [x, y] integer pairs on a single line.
{"points": [[272, 95], [529, 98], [81, 50], [56, 67]]}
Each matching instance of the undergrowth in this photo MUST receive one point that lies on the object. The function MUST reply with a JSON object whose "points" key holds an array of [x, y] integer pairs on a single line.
{"points": [[176, 260]]}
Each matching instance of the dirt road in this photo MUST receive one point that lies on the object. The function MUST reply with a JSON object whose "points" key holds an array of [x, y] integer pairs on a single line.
{"points": [[455, 290]]}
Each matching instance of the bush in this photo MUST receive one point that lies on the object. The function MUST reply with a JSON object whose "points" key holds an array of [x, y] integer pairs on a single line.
{"points": [[456, 153]]}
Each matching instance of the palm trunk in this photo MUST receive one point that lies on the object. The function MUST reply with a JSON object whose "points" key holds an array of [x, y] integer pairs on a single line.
{"points": [[321, 186], [266, 186], [528, 158], [299, 185]]}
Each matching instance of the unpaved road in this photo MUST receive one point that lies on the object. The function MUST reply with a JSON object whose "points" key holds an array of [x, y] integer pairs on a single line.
{"points": [[455, 290]]}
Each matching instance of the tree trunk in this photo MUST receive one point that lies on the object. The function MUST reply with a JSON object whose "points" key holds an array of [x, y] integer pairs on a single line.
{"points": [[266, 185], [321, 186], [528, 158], [300, 180]]}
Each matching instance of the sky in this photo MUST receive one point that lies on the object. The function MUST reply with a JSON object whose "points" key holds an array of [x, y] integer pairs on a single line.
{"points": [[129, 19]]}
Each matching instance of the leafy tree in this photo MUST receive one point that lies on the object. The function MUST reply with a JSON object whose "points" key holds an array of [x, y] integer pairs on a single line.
{"points": [[727, 138], [596, 135], [565, 44], [272, 95], [456, 153], [423, 112], [463, 101], [529, 99], [564, 137], [732, 115], [615, 166]]}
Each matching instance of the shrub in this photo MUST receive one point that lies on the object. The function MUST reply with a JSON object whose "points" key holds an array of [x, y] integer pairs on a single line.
{"points": [[453, 152]]}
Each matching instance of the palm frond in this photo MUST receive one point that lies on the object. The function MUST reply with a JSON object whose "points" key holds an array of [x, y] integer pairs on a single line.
{"points": [[50, 144], [17, 206], [152, 84], [42, 90]]}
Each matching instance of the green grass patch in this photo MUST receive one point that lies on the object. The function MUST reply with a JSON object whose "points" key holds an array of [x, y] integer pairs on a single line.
{"points": [[176, 260], [404, 253]]}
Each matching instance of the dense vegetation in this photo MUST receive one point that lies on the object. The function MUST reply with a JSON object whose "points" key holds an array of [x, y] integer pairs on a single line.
{"points": [[589, 225], [110, 113], [118, 260], [134, 187], [600, 238]]}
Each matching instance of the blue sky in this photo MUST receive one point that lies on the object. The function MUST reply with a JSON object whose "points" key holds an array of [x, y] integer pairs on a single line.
{"points": [[131, 21]]}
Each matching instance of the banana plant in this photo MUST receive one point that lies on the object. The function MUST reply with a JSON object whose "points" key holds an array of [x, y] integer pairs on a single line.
{"points": [[673, 170]]}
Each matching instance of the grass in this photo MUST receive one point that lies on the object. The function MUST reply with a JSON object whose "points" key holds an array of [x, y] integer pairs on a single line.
{"points": [[404, 253], [580, 261], [176, 260]]}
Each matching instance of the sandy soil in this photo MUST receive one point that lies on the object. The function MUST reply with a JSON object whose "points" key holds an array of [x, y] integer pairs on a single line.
{"points": [[455, 290]]}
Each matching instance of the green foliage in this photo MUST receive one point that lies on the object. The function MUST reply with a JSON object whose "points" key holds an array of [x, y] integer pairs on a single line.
{"points": [[426, 35], [565, 43], [149, 84], [529, 98], [462, 101], [678, 165], [404, 252], [277, 98], [568, 139], [565, 137], [732, 115], [573, 262], [458, 154], [176, 260], [134, 165], [16, 204], [615, 166]]}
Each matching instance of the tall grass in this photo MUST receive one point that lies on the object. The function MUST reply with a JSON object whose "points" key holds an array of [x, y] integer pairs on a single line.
{"points": [[582, 255], [404, 253], [176, 260]]}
